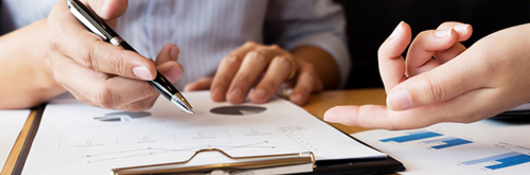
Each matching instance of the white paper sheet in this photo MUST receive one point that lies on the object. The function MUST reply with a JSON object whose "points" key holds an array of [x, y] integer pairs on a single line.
{"points": [[77, 138], [485, 147], [523, 107], [11, 123]]}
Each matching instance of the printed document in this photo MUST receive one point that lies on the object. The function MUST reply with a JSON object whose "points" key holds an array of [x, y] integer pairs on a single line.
{"points": [[75, 138]]}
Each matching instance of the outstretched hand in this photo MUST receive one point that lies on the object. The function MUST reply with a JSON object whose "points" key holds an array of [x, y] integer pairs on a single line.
{"points": [[441, 81]]}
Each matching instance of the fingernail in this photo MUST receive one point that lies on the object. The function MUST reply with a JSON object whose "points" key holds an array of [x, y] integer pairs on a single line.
{"points": [[187, 88], [259, 94], [142, 73], [461, 27], [296, 98], [396, 30], [330, 117], [173, 74], [399, 100], [236, 94], [442, 33]]}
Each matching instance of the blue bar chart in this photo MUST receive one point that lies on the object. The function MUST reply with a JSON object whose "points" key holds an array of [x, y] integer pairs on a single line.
{"points": [[486, 147], [504, 160], [448, 142], [417, 135]]}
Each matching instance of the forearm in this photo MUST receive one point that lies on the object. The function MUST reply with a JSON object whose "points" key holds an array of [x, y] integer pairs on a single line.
{"points": [[326, 67], [27, 78]]}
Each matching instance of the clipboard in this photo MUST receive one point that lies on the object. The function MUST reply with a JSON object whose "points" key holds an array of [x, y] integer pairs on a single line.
{"points": [[518, 113], [263, 163], [255, 165], [342, 165], [296, 163]]}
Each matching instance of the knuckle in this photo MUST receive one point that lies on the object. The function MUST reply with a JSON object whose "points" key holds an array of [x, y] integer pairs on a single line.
{"points": [[243, 79], [147, 90], [117, 64], [433, 90], [257, 56], [275, 46], [280, 60], [250, 44], [86, 52], [231, 59]]}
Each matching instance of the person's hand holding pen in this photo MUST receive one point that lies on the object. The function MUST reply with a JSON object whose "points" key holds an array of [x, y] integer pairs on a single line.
{"points": [[99, 73]]}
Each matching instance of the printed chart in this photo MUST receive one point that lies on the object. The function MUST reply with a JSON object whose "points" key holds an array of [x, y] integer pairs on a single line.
{"points": [[455, 148], [81, 139]]}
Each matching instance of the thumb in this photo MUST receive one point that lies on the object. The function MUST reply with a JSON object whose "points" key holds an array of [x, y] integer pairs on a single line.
{"points": [[437, 85], [108, 10]]}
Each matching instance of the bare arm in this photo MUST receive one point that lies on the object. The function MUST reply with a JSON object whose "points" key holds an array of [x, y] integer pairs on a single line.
{"points": [[27, 78]]}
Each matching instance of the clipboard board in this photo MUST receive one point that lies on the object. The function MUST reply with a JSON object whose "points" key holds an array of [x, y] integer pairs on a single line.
{"points": [[265, 164], [295, 163], [342, 164], [249, 165]]}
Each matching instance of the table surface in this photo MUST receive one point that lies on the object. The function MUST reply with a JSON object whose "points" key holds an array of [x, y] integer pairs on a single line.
{"points": [[316, 105]]}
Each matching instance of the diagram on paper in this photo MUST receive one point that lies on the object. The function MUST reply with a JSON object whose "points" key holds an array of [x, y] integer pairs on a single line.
{"points": [[235, 141]]}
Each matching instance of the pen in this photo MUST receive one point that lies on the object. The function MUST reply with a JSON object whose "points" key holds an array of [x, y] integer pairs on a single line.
{"points": [[97, 26]]}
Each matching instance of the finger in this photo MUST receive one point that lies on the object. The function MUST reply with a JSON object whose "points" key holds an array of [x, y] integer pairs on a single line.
{"points": [[172, 70], [446, 55], [251, 69], [442, 83], [108, 10], [307, 82], [357, 116], [101, 89], [70, 37], [419, 56], [278, 71], [374, 116], [201, 84], [464, 31], [227, 70], [391, 63], [169, 52], [141, 105]]}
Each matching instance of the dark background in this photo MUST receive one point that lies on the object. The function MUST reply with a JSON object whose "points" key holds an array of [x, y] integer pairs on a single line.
{"points": [[371, 21]]}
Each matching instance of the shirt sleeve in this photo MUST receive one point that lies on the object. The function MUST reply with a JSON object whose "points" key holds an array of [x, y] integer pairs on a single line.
{"points": [[319, 23]]}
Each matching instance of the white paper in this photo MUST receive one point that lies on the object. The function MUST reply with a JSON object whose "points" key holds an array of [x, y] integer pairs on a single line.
{"points": [[523, 107], [11, 123], [485, 147], [76, 138]]}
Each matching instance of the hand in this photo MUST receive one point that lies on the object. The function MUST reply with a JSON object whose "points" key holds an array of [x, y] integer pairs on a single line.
{"points": [[457, 86], [243, 68], [99, 73]]}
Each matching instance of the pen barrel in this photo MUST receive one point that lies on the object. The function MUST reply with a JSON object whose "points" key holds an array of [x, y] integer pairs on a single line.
{"points": [[162, 85], [126, 46]]}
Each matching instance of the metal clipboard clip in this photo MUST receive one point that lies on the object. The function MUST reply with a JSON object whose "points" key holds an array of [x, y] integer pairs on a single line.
{"points": [[254, 165]]}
